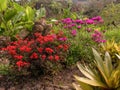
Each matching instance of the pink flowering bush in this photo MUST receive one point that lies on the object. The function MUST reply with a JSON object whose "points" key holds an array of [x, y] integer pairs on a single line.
{"points": [[75, 26], [82, 34], [35, 53]]}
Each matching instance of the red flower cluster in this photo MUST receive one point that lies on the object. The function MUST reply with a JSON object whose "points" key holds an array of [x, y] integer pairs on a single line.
{"points": [[45, 48], [44, 39]]}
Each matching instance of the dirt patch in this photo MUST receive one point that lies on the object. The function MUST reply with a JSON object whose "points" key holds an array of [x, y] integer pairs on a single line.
{"points": [[61, 81]]}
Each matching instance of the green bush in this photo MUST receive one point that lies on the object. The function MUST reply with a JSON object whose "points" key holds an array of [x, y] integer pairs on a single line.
{"points": [[111, 14], [14, 18]]}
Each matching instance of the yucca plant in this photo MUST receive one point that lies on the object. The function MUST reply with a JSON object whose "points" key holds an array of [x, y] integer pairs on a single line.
{"points": [[103, 75]]}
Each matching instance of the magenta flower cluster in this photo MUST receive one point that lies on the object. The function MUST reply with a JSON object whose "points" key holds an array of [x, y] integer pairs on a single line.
{"points": [[98, 37], [74, 25], [71, 23]]}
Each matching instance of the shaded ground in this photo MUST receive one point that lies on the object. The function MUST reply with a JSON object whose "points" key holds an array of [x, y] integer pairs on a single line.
{"points": [[61, 81]]}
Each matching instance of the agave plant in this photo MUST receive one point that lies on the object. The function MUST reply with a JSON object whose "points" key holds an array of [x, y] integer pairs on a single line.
{"points": [[103, 76]]}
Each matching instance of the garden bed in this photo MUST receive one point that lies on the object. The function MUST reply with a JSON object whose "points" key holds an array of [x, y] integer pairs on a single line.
{"points": [[38, 52]]}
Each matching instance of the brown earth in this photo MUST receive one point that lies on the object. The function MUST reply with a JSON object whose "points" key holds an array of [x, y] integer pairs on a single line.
{"points": [[61, 81]]}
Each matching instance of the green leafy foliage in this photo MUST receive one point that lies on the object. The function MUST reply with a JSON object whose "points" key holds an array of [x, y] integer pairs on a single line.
{"points": [[3, 5], [15, 18]]}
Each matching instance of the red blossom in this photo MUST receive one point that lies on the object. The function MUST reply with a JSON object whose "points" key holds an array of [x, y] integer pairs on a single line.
{"points": [[40, 40], [11, 47], [30, 42], [48, 38], [12, 52], [18, 57], [49, 50], [34, 56], [37, 34], [25, 49], [43, 57], [57, 57], [65, 46], [51, 57], [21, 64], [60, 46], [40, 50]]}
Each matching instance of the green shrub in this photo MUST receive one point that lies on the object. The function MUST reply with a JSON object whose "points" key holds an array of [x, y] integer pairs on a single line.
{"points": [[111, 14], [14, 18]]}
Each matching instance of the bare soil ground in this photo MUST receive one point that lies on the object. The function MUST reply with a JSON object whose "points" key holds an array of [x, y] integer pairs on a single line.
{"points": [[61, 81]]}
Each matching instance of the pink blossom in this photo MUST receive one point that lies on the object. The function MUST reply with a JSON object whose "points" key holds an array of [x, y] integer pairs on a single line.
{"points": [[78, 27], [74, 32]]}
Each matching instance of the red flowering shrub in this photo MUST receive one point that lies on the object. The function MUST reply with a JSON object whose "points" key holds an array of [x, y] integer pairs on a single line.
{"points": [[35, 52]]}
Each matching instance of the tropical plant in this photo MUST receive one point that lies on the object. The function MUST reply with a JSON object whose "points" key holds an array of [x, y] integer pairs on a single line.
{"points": [[103, 75]]}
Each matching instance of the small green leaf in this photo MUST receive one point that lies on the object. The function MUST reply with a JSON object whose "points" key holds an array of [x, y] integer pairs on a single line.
{"points": [[29, 13], [3, 5]]}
